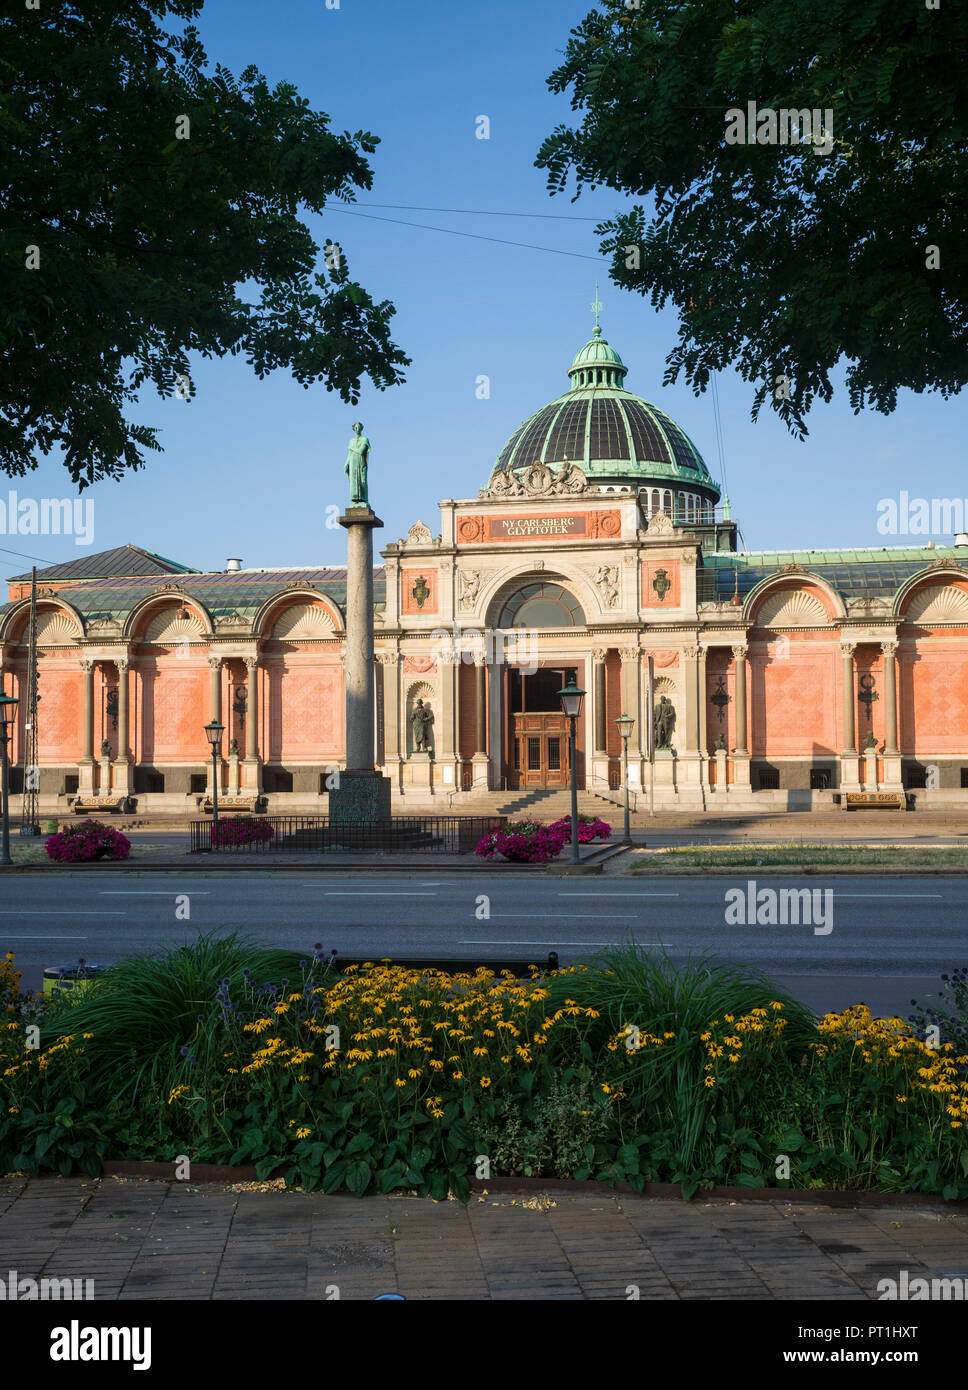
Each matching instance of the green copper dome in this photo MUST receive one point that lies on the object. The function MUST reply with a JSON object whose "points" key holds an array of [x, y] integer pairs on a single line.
{"points": [[616, 438]]}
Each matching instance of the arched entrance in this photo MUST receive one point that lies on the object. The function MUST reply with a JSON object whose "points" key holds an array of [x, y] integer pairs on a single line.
{"points": [[536, 744]]}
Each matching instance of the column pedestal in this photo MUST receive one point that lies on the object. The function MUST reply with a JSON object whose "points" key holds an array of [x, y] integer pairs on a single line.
{"points": [[721, 785], [741, 771], [870, 770], [665, 768], [481, 765]]}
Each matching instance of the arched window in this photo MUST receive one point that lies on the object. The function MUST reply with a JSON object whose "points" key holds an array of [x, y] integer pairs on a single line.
{"points": [[667, 502], [542, 605]]}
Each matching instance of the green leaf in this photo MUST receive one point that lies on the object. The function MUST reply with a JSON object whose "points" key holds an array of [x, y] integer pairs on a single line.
{"points": [[358, 1174]]}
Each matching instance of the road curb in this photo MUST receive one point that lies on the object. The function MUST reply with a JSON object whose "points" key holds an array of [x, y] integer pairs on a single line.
{"points": [[568, 1187]]}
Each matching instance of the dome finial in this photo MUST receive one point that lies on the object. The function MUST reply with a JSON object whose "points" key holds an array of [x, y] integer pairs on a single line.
{"points": [[597, 307]]}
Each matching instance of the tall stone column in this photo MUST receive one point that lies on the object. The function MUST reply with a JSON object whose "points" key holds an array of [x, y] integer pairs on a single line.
{"points": [[849, 764], [599, 709], [215, 711], [631, 688], [363, 794], [690, 752], [122, 763], [480, 762], [741, 752], [85, 766], [253, 768], [893, 780], [390, 663]]}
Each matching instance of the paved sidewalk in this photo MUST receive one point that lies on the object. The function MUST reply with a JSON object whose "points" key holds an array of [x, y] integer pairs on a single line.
{"points": [[141, 1239]]}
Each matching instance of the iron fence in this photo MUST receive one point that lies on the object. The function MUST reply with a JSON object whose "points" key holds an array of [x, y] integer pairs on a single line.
{"points": [[402, 834]]}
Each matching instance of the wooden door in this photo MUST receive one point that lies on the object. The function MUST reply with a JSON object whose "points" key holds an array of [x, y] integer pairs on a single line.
{"points": [[541, 751]]}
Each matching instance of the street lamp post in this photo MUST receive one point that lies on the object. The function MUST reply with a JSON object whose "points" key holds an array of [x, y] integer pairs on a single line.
{"points": [[625, 723], [571, 699], [214, 732], [8, 706]]}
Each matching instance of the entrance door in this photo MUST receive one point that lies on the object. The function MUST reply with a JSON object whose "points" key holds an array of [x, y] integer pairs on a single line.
{"points": [[541, 750]]}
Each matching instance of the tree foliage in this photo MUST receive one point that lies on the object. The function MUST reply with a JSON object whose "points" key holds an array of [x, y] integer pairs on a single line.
{"points": [[782, 260], [151, 210]]}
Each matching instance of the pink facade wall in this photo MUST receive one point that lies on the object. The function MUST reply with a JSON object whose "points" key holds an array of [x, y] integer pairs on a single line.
{"points": [[306, 707], [933, 690], [173, 704], [794, 696]]}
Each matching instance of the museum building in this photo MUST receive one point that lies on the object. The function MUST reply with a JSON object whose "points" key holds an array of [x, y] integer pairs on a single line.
{"points": [[598, 548]]}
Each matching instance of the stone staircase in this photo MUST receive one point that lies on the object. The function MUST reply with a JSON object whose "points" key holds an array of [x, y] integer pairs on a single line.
{"points": [[542, 804]]}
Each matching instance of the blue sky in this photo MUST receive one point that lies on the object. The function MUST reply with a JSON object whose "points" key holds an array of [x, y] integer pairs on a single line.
{"points": [[250, 466]]}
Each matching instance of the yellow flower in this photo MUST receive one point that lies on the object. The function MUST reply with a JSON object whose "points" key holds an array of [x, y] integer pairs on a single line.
{"points": [[710, 1081], [399, 1082], [303, 1133], [485, 1081]]}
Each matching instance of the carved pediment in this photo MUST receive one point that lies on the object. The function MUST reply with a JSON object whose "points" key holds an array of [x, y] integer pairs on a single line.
{"points": [[419, 534], [538, 480], [660, 523], [231, 622]]}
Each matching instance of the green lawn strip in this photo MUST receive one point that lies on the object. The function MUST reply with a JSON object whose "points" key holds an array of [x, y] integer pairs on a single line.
{"points": [[796, 856]]}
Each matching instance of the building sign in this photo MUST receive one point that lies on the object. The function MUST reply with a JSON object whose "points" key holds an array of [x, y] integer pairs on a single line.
{"points": [[584, 525]]}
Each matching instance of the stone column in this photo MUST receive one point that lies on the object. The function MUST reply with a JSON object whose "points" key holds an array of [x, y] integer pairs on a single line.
{"points": [[480, 762], [741, 752], [631, 688], [215, 712], [849, 763], [122, 764], [601, 713], [688, 729], [599, 705], [363, 794], [85, 766], [892, 751], [702, 735], [390, 663], [253, 768]]}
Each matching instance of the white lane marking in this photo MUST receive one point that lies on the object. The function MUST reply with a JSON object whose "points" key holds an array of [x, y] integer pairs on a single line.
{"points": [[564, 945], [152, 893], [618, 895], [348, 894], [20, 937], [564, 916], [887, 895], [61, 912]]}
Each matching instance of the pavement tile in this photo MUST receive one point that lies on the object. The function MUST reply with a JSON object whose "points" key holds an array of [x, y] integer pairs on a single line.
{"points": [[162, 1240]]}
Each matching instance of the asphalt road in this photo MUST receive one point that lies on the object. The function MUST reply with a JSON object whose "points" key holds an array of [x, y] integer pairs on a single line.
{"points": [[878, 940]]}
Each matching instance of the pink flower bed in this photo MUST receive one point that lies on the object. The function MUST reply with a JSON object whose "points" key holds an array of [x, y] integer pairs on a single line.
{"points": [[589, 828], [525, 842], [238, 830], [86, 840]]}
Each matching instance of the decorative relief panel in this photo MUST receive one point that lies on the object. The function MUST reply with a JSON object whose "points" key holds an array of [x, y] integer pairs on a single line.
{"points": [[303, 622], [418, 590], [791, 608], [938, 606], [660, 584]]}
